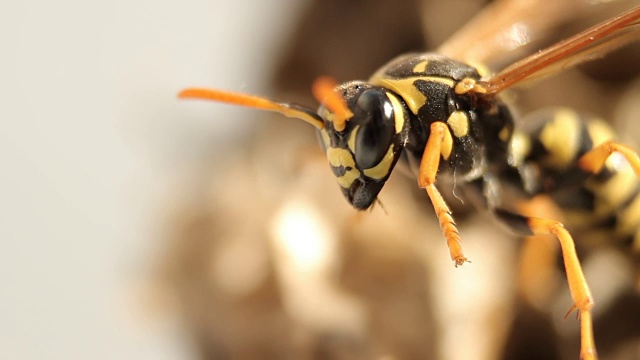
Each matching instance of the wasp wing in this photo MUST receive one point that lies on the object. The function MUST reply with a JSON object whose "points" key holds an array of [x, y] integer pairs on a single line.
{"points": [[507, 25], [503, 27], [588, 45]]}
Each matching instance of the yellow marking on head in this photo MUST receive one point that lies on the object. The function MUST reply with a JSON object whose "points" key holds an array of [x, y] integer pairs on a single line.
{"points": [[561, 137], [459, 123], [421, 67], [352, 139], [464, 86], [348, 178], [407, 90], [342, 157], [398, 112], [382, 169]]}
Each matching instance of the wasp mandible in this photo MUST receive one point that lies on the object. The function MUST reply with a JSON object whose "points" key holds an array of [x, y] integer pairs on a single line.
{"points": [[446, 116]]}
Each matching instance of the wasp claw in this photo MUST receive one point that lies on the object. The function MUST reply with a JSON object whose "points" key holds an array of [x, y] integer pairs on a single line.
{"points": [[460, 261], [572, 309]]}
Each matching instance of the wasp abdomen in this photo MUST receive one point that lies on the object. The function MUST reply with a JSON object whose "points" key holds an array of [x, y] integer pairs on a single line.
{"points": [[548, 154]]}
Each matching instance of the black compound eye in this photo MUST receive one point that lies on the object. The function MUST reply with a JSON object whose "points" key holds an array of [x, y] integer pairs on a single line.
{"points": [[375, 133]]}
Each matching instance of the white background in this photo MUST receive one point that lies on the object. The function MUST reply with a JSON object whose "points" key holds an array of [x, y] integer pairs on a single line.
{"points": [[91, 133]]}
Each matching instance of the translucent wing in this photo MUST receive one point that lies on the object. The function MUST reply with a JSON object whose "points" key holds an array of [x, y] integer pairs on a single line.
{"points": [[590, 44], [504, 27]]}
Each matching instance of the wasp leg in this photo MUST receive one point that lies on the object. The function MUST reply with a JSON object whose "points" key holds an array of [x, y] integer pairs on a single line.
{"points": [[440, 143], [594, 160], [580, 293]]}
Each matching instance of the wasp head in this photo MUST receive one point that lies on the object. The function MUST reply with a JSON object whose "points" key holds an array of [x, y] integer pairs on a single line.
{"points": [[363, 139]]}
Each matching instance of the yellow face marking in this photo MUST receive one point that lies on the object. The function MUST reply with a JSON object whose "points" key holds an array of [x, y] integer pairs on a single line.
{"points": [[342, 157], [407, 90], [348, 178], [382, 169], [421, 67], [561, 138], [352, 139], [459, 123], [398, 111]]}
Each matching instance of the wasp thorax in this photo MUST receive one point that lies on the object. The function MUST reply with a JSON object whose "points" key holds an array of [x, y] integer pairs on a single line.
{"points": [[363, 149]]}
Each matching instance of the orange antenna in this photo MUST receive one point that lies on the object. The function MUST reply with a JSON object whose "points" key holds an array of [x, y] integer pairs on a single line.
{"points": [[323, 91], [290, 110]]}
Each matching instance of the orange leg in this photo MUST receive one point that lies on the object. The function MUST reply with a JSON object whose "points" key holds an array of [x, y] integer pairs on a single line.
{"points": [[580, 293], [594, 160], [440, 143]]}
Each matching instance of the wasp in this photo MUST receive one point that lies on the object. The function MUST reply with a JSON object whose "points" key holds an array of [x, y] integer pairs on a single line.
{"points": [[445, 116]]}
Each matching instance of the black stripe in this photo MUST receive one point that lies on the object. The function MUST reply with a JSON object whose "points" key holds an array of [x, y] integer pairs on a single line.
{"points": [[585, 142], [340, 170]]}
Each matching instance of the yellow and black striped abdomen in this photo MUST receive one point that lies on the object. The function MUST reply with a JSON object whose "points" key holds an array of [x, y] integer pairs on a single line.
{"points": [[548, 152]]}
